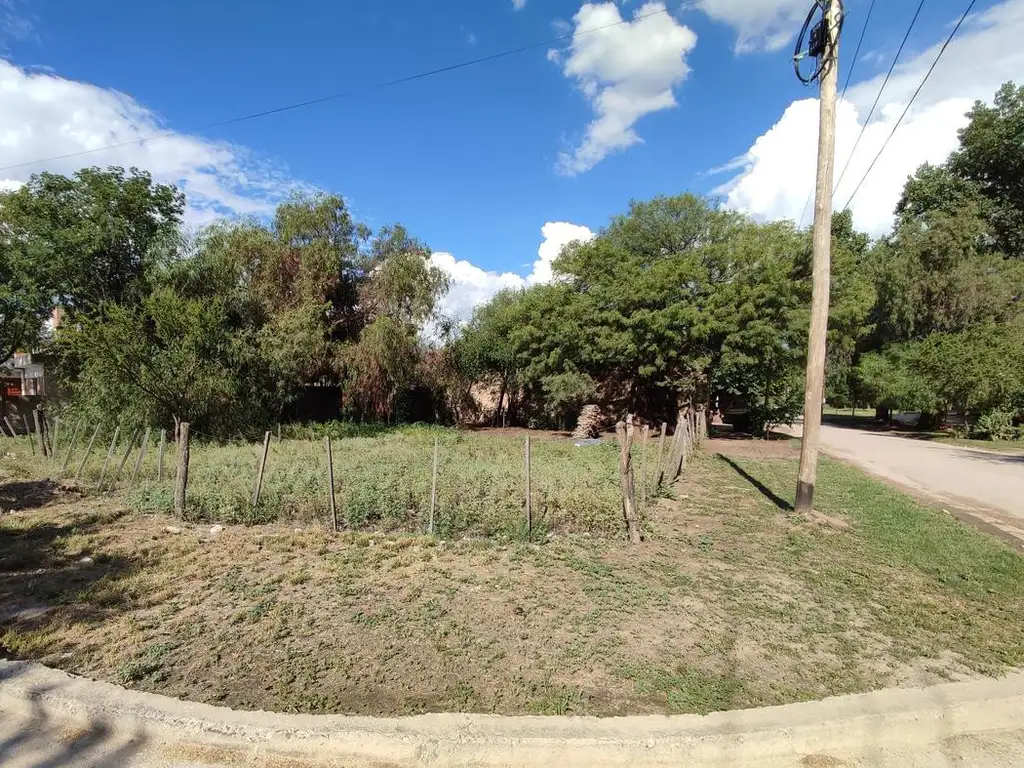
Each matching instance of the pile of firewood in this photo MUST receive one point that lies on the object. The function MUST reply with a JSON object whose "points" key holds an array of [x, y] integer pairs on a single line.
{"points": [[590, 424]]}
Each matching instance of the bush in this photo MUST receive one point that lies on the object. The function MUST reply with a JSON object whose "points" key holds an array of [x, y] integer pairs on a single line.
{"points": [[997, 425]]}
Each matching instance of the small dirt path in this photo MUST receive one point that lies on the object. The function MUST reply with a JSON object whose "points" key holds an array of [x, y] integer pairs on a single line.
{"points": [[986, 484]]}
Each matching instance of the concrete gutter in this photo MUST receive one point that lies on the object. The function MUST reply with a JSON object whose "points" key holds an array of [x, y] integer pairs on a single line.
{"points": [[974, 723]]}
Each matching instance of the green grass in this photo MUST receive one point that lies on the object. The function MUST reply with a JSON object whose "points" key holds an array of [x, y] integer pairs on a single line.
{"points": [[733, 600], [382, 481], [916, 568], [1004, 446]]}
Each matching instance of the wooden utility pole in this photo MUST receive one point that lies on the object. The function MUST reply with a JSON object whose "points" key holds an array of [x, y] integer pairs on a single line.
{"points": [[814, 392]]}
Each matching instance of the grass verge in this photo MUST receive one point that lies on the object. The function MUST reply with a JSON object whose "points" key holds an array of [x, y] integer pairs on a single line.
{"points": [[732, 601]]}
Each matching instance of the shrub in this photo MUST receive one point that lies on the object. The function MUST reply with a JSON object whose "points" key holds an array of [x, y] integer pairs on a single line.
{"points": [[997, 425]]}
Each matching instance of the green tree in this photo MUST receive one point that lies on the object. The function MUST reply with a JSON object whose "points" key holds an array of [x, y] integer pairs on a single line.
{"points": [[93, 235]]}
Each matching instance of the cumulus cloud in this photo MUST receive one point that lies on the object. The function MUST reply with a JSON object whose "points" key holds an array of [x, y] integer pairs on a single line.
{"points": [[473, 286], [759, 24], [625, 72], [778, 170], [43, 115]]}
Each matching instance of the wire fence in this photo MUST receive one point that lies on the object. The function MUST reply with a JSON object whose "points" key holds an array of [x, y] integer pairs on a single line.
{"points": [[398, 479]]}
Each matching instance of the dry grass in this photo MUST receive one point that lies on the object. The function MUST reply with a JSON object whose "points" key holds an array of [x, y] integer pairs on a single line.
{"points": [[731, 601]]}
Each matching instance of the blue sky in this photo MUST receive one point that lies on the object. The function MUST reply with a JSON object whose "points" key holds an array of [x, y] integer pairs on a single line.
{"points": [[476, 162]]}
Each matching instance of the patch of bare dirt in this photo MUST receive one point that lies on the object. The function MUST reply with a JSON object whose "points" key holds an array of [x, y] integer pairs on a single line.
{"points": [[752, 448]]}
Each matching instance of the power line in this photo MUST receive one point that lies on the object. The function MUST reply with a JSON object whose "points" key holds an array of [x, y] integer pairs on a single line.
{"points": [[856, 54], [344, 94], [913, 98], [878, 97], [849, 77]]}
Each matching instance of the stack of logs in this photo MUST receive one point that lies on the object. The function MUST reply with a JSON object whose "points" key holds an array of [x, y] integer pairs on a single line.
{"points": [[590, 424]]}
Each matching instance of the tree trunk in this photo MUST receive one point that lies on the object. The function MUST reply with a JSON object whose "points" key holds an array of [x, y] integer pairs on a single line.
{"points": [[501, 402], [883, 414]]}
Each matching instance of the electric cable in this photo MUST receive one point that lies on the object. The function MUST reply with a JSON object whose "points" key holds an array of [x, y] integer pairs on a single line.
{"points": [[344, 94], [928, 74], [885, 82]]}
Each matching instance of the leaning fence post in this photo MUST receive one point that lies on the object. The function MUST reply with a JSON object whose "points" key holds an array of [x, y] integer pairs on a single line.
{"points": [[181, 485], [625, 437], [644, 434], [677, 449], [28, 433], [529, 494], [110, 455], [659, 472], [88, 452], [259, 474], [124, 460], [433, 488], [331, 502], [138, 461], [71, 447], [10, 427], [160, 456], [37, 416]]}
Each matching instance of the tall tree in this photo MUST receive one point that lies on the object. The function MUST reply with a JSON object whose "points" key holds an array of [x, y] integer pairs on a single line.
{"points": [[94, 234]]}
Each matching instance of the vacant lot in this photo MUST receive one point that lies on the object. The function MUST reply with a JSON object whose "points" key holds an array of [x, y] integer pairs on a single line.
{"points": [[731, 601], [382, 481]]}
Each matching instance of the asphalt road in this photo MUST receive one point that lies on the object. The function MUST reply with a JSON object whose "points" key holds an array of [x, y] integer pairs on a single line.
{"points": [[986, 484]]}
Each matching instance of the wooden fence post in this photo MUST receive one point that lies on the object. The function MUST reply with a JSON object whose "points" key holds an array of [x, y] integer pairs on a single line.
{"points": [[659, 469], [331, 503], [160, 456], [71, 446], [37, 415], [10, 427], [28, 433], [110, 455], [88, 452], [181, 485], [628, 488], [644, 434], [529, 493], [259, 474], [138, 461], [124, 460], [433, 488]]}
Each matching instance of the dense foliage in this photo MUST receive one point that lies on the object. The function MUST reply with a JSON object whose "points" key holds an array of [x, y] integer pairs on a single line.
{"points": [[227, 328], [679, 302], [676, 302]]}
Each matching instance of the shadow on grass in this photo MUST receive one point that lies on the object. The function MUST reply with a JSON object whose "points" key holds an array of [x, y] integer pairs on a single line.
{"points": [[28, 494], [764, 490], [40, 582]]}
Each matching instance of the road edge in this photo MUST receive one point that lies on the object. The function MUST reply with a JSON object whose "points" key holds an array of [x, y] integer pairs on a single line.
{"points": [[860, 725]]}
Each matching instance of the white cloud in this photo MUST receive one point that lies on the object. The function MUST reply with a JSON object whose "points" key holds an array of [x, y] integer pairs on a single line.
{"points": [[42, 115], [518, 5], [625, 72], [759, 24], [473, 286], [778, 170]]}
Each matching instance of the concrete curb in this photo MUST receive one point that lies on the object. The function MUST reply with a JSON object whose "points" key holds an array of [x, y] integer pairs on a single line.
{"points": [[896, 727]]}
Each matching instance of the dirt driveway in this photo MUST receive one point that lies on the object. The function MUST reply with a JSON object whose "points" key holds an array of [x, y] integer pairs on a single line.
{"points": [[988, 485]]}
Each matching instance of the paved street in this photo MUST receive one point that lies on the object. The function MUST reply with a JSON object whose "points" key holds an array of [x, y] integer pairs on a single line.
{"points": [[989, 485]]}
